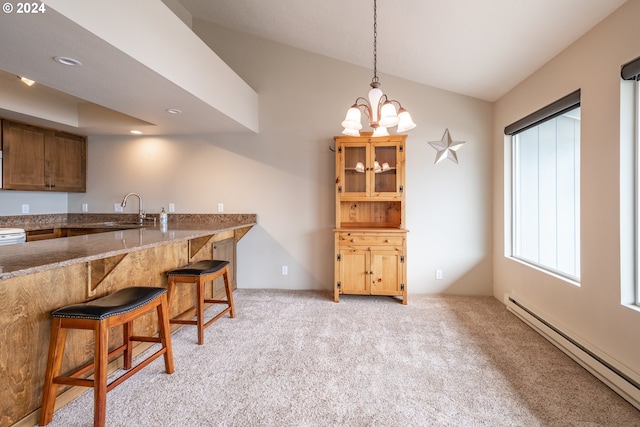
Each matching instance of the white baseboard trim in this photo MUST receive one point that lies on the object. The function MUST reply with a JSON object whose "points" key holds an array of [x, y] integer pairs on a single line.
{"points": [[615, 376]]}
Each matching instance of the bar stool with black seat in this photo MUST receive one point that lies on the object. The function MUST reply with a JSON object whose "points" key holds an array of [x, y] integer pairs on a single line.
{"points": [[120, 308], [199, 273]]}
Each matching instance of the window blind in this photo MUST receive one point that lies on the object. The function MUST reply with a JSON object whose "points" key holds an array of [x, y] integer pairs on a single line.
{"points": [[631, 70], [549, 112]]}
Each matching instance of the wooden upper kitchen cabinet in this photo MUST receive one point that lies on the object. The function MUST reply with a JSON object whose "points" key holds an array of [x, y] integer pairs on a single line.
{"points": [[370, 235], [40, 159]]}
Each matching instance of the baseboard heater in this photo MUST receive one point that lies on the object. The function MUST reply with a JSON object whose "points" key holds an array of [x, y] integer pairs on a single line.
{"points": [[605, 370]]}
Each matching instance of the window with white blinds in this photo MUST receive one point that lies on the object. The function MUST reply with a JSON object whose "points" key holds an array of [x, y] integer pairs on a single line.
{"points": [[545, 202]]}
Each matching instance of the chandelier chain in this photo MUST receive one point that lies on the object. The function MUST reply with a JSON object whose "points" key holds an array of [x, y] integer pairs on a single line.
{"points": [[375, 42], [382, 112]]}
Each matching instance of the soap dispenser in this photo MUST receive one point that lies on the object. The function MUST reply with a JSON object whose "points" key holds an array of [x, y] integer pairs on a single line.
{"points": [[164, 218]]}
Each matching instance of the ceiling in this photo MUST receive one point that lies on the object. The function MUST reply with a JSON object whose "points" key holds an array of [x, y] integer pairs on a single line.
{"points": [[477, 48], [480, 48], [138, 60]]}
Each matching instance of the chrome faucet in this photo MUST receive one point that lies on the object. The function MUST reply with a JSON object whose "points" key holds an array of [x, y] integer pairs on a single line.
{"points": [[141, 214]]}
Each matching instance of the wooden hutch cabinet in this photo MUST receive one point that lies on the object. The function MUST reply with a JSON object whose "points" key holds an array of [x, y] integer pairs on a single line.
{"points": [[370, 234]]}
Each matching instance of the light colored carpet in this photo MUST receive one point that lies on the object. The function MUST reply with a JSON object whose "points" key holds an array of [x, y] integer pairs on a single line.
{"points": [[299, 359]]}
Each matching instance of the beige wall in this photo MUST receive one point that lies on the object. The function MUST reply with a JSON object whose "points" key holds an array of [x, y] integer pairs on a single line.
{"points": [[285, 173], [592, 312]]}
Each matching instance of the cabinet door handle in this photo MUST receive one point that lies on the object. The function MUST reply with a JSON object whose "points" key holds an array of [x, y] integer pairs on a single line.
{"points": [[387, 241], [353, 240]]}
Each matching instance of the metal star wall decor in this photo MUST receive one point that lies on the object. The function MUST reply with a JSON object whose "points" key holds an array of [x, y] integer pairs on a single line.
{"points": [[446, 148]]}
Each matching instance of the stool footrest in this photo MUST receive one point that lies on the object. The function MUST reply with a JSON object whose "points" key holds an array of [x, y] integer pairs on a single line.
{"points": [[216, 301], [86, 368], [190, 312], [217, 316], [179, 321], [146, 339], [136, 368], [73, 381], [72, 378], [183, 322]]}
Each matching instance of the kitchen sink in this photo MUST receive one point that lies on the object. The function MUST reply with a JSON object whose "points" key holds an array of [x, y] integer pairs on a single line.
{"points": [[80, 230], [115, 224]]}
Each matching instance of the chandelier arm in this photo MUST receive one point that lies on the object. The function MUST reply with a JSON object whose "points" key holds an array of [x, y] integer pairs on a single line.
{"points": [[364, 104], [393, 101], [361, 99]]}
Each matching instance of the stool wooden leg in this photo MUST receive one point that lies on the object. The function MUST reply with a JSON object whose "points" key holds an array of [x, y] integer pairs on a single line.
{"points": [[54, 363], [101, 355], [165, 333], [127, 333], [171, 284], [200, 310], [229, 291]]}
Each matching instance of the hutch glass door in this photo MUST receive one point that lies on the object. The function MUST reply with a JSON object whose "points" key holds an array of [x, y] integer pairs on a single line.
{"points": [[385, 169], [355, 167]]}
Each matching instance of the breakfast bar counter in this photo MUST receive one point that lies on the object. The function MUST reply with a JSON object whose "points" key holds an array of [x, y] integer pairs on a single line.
{"points": [[31, 257], [104, 254]]}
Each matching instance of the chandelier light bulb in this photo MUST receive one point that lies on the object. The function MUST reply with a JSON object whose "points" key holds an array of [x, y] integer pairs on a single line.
{"points": [[380, 131], [405, 122], [388, 115], [350, 132], [352, 121]]}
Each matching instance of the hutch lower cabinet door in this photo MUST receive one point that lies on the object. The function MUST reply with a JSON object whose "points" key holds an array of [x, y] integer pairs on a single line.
{"points": [[370, 264]]}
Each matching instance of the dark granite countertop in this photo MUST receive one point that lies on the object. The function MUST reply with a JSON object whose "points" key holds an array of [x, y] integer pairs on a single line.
{"points": [[31, 257]]}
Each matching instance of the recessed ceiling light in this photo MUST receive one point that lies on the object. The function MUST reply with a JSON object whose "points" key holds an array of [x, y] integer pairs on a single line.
{"points": [[174, 111], [67, 61], [136, 132], [26, 81]]}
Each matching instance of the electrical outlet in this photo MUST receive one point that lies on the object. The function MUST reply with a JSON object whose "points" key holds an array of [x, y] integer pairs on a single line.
{"points": [[438, 274], [25, 209], [85, 207], [220, 207], [117, 207], [285, 270], [172, 207]]}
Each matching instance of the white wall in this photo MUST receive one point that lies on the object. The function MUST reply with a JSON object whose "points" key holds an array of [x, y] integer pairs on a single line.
{"points": [[39, 203], [285, 173], [592, 312]]}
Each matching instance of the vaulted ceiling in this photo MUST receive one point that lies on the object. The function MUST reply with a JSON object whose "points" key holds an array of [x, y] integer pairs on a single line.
{"points": [[476, 48], [480, 48]]}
